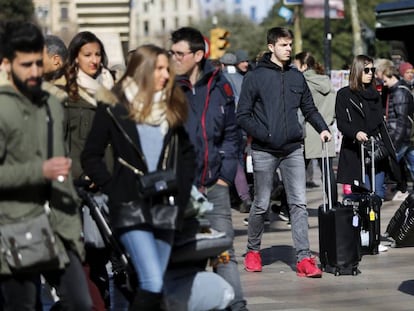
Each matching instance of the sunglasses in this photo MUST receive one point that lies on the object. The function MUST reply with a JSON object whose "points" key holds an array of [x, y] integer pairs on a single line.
{"points": [[367, 70]]}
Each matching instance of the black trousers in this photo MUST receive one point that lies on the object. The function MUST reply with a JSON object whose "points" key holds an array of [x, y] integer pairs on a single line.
{"points": [[21, 291]]}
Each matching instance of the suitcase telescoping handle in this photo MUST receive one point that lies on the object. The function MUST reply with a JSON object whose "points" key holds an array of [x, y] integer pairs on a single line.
{"points": [[372, 163], [326, 178]]}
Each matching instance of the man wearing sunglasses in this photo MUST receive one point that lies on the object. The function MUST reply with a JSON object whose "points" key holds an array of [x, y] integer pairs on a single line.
{"points": [[212, 128]]}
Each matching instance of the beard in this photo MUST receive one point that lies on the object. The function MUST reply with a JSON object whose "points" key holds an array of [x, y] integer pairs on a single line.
{"points": [[33, 91]]}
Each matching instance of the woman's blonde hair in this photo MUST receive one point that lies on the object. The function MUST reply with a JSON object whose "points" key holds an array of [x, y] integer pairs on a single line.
{"points": [[141, 66]]}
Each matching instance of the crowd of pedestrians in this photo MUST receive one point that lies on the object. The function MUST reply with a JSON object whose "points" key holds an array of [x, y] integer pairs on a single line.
{"points": [[142, 139]]}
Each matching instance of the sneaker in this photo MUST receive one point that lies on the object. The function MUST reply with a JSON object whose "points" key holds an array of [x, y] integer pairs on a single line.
{"points": [[245, 206], [307, 268], [246, 221], [382, 248], [253, 262], [311, 184], [284, 216]]}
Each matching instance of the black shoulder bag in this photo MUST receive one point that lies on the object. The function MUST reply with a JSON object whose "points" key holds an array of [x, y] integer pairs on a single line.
{"points": [[157, 183], [156, 205]]}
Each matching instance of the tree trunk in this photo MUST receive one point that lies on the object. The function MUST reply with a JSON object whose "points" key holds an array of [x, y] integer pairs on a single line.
{"points": [[356, 28], [297, 30]]}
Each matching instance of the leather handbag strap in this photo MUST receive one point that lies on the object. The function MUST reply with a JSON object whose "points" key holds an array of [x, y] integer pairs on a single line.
{"points": [[128, 138], [49, 121]]}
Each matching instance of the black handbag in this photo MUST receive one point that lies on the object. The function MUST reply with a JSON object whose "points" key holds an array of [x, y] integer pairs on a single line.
{"points": [[158, 183], [160, 215], [161, 182], [380, 150], [29, 244]]}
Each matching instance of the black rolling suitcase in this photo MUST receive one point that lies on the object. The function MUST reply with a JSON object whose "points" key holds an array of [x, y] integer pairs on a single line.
{"points": [[368, 205], [401, 225], [339, 250]]}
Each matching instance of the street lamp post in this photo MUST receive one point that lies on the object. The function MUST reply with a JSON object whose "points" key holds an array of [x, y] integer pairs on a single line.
{"points": [[328, 39]]}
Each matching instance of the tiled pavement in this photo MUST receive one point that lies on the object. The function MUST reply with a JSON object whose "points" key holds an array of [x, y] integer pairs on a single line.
{"points": [[386, 281]]}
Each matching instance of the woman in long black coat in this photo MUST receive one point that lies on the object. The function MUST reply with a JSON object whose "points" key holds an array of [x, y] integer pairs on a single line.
{"points": [[143, 122], [359, 115]]}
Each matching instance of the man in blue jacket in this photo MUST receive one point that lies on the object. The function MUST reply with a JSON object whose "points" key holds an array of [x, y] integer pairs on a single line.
{"points": [[270, 98], [213, 131]]}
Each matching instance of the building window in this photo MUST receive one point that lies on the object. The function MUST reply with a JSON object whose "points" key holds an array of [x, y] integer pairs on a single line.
{"points": [[190, 4], [253, 13], [237, 1], [64, 13], [190, 20], [176, 23], [175, 5], [163, 24], [146, 28]]}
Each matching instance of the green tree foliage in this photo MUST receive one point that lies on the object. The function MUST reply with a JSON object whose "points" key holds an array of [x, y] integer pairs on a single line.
{"points": [[252, 37], [16, 10], [244, 34], [341, 29]]}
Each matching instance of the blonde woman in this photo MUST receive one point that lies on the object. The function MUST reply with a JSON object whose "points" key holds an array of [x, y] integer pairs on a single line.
{"points": [[144, 123]]}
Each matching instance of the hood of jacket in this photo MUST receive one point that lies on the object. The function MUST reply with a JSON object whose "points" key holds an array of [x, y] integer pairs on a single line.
{"points": [[106, 96], [317, 82]]}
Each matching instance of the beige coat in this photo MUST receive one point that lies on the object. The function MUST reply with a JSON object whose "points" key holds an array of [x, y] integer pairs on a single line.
{"points": [[324, 97]]}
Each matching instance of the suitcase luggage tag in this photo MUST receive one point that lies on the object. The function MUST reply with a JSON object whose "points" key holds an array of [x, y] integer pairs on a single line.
{"points": [[371, 215], [355, 221]]}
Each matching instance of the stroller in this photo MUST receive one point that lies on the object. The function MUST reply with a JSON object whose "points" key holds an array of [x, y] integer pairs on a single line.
{"points": [[194, 246]]}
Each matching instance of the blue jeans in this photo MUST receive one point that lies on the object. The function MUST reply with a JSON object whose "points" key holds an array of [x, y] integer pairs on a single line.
{"points": [[292, 168], [379, 183], [220, 220], [149, 257], [407, 153]]}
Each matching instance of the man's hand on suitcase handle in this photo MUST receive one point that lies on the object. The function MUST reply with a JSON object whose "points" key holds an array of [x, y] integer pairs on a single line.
{"points": [[325, 136]]}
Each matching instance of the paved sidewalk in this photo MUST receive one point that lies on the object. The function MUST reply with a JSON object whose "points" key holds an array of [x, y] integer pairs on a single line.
{"points": [[386, 281]]}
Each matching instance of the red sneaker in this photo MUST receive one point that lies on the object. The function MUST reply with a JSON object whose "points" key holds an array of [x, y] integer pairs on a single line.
{"points": [[253, 261], [307, 268]]}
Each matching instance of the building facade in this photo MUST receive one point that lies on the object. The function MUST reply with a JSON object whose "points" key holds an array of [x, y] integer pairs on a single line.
{"points": [[255, 10], [135, 22]]}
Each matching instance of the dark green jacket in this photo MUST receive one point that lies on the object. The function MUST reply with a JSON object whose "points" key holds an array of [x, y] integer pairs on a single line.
{"points": [[23, 149], [79, 118]]}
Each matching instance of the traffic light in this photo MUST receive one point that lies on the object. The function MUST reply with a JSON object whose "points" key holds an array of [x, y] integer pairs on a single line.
{"points": [[219, 42]]}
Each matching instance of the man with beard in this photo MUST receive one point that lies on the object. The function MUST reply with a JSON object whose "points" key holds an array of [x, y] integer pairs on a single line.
{"points": [[55, 54], [35, 172]]}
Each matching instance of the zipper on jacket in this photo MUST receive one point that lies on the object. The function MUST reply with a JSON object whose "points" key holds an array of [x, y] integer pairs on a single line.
{"points": [[204, 130], [284, 102], [349, 115], [359, 107]]}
